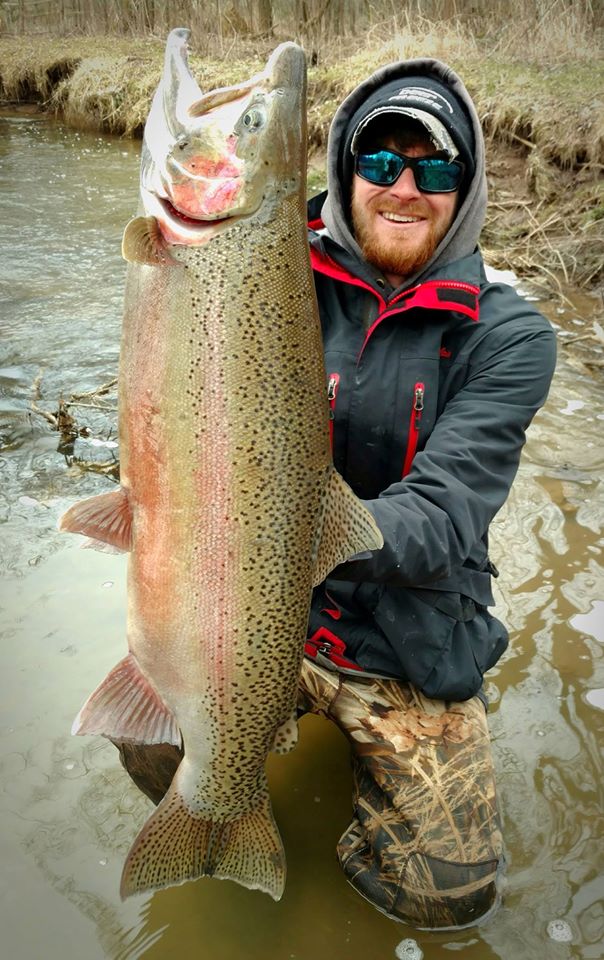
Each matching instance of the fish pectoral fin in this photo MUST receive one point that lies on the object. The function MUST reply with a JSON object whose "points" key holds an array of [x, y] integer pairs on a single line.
{"points": [[126, 706], [348, 529], [286, 736], [143, 243], [107, 518], [176, 845]]}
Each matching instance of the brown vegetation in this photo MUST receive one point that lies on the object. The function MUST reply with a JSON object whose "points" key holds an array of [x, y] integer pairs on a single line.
{"points": [[535, 71], [73, 435]]}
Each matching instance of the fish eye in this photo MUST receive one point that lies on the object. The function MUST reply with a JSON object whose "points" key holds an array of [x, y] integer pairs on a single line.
{"points": [[253, 119]]}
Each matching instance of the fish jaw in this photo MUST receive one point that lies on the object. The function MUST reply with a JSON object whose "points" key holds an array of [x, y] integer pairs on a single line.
{"points": [[209, 160], [176, 227], [205, 181]]}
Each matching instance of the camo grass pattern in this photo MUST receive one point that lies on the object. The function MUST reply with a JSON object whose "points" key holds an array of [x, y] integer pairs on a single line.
{"points": [[425, 844]]}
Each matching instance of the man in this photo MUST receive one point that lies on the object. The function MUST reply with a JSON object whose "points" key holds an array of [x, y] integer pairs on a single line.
{"points": [[433, 376]]}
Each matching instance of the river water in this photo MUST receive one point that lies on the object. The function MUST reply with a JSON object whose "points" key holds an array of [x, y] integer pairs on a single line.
{"points": [[69, 813]]}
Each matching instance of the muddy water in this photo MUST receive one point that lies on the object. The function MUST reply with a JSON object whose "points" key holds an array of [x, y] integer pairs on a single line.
{"points": [[68, 813]]}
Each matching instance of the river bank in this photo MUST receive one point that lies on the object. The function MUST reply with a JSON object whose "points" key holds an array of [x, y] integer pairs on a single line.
{"points": [[543, 122]]}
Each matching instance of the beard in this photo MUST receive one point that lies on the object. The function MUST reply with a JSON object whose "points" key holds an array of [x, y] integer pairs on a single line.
{"points": [[401, 258]]}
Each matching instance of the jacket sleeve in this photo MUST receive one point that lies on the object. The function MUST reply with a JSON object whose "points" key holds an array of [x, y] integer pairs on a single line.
{"points": [[431, 519]]}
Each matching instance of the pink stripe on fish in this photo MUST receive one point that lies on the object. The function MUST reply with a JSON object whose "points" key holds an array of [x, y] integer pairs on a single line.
{"points": [[145, 469], [216, 529]]}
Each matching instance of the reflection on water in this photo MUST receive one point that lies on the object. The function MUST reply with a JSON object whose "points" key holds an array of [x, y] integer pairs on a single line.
{"points": [[68, 811]]}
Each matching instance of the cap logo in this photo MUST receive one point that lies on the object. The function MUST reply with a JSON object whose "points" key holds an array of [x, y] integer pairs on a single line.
{"points": [[420, 95]]}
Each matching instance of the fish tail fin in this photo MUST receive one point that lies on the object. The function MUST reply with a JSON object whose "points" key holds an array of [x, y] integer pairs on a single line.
{"points": [[176, 845]]}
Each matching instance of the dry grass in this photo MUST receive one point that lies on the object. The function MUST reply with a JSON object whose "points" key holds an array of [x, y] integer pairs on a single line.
{"points": [[105, 83], [555, 105], [551, 230], [538, 88]]}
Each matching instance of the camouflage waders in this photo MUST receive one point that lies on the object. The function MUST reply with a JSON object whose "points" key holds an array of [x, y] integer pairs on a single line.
{"points": [[424, 845]]}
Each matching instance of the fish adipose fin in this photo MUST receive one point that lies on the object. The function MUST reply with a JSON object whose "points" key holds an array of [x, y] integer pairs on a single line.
{"points": [[143, 243], [348, 529], [176, 845], [286, 736], [126, 707], [107, 518]]}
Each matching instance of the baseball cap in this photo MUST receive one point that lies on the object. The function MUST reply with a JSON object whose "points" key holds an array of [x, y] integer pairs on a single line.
{"points": [[421, 98]]}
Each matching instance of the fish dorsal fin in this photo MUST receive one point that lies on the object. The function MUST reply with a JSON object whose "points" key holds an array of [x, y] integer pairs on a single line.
{"points": [[125, 706], [348, 529], [143, 243], [286, 736], [107, 517]]}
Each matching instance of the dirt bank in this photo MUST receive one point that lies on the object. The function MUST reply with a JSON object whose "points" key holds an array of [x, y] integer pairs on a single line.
{"points": [[544, 127]]}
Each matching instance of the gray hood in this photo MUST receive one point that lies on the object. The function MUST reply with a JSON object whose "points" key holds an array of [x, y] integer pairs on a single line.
{"points": [[462, 237]]}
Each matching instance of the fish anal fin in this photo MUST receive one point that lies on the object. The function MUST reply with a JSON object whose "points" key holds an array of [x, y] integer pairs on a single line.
{"points": [[143, 243], [107, 517], [349, 529], [125, 706], [176, 845], [286, 736], [101, 547]]}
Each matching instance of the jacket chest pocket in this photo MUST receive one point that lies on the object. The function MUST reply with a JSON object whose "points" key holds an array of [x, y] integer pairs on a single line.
{"points": [[381, 414]]}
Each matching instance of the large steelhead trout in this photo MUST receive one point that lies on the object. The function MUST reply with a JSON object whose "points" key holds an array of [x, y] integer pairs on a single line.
{"points": [[229, 502]]}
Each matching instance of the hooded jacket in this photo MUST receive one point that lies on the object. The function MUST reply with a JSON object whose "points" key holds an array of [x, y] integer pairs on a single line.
{"points": [[431, 387]]}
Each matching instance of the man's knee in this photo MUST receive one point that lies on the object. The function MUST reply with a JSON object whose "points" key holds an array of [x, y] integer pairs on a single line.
{"points": [[419, 889], [439, 893]]}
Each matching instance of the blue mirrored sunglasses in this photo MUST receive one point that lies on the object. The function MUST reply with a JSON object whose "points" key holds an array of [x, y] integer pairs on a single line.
{"points": [[432, 174]]}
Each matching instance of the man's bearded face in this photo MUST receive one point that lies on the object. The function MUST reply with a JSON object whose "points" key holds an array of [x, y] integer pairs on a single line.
{"points": [[397, 227]]}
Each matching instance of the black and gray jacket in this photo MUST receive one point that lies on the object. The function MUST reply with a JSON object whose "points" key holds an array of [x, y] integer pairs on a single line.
{"points": [[431, 387]]}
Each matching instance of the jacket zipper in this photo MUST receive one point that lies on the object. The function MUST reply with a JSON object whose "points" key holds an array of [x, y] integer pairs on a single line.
{"points": [[393, 307], [414, 425], [443, 284], [333, 383]]}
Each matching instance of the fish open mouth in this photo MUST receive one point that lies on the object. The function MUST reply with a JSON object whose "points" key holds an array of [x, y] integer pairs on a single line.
{"points": [[185, 218]]}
